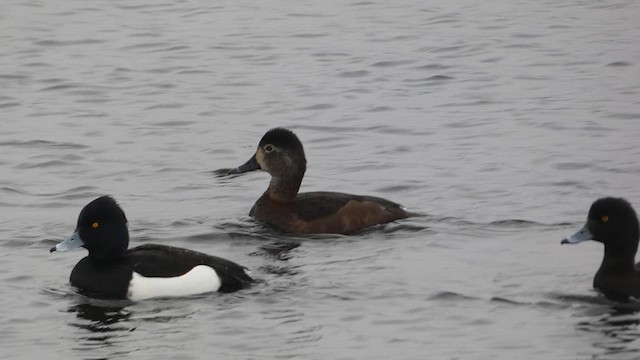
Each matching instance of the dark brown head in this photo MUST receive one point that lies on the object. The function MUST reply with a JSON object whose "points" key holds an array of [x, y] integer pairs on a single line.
{"points": [[280, 153]]}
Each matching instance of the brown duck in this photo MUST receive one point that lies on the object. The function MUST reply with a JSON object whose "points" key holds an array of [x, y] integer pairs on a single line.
{"points": [[280, 153]]}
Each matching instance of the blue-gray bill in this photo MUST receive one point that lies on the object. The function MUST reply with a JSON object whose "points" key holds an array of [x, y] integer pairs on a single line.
{"points": [[72, 242], [582, 235]]}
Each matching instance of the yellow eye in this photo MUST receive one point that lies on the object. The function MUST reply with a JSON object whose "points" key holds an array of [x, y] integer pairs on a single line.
{"points": [[605, 218], [95, 225]]}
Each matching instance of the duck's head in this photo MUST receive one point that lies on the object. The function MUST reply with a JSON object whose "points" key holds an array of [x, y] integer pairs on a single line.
{"points": [[611, 221], [280, 153], [102, 229]]}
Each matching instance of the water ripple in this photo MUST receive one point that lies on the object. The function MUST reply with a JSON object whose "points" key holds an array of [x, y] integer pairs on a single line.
{"points": [[60, 43], [354, 74]]}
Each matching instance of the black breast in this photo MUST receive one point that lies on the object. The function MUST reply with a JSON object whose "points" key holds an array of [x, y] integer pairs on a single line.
{"points": [[102, 280]]}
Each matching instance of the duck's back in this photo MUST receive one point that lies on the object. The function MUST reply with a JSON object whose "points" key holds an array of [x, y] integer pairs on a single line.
{"points": [[152, 260], [327, 212]]}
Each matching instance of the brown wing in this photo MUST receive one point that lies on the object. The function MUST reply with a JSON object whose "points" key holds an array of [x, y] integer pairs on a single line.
{"points": [[314, 205], [329, 212]]}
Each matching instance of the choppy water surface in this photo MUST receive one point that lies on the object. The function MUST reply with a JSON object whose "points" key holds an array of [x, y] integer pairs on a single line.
{"points": [[500, 122]]}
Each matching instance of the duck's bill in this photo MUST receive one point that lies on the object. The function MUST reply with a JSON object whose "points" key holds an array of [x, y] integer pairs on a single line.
{"points": [[582, 235], [72, 242], [250, 165]]}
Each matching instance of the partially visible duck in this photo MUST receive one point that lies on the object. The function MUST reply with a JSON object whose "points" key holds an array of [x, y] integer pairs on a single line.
{"points": [[614, 223]]}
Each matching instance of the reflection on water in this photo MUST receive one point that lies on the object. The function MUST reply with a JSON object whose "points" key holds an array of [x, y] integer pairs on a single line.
{"points": [[620, 327], [279, 250], [618, 323], [100, 317], [104, 324]]}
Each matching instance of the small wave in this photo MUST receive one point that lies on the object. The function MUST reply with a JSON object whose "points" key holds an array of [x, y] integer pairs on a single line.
{"points": [[380, 109], [43, 144], [624, 116], [280, 270], [404, 227], [61, 87], [15, 243], [318, 107], [450, 295], [520, 223], [572, 166], [165, 106], [73, 193], [330, 54], [353, 74], [489, 226], [392, 63], [9, 105], [514, 222], [280, 249], [143, 46], [251, 229], [541, 304], [13, 77], [308, 15], [400, 188], [82, 192], [44, 164], [18, 279], [363, 3], [68, 42], [507, 301], [432, 67], [433, 78], [60, 292], [619, 64], [173, 48], [621, 302], [308, 36], [13, 190]]}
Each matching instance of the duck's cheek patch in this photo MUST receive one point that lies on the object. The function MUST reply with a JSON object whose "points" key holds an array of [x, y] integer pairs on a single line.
{"points": [[260, 160], [201, 279]]}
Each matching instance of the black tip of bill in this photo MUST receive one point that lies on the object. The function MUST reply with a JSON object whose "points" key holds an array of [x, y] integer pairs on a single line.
{"points": [[250, 165]]}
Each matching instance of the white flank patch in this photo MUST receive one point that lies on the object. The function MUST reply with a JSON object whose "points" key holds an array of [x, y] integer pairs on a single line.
{"points": [[199, 280]]}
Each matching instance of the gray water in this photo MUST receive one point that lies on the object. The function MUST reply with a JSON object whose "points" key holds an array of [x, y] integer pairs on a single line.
{"points": [[500, 122]]}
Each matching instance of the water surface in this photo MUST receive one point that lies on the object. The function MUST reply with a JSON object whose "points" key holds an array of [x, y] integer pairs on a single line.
{"points": [[499, 122]]}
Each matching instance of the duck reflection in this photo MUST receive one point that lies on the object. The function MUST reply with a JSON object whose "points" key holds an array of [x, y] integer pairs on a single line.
{"points": [[278, 254], [620, 326], [98, 318], [279, 250]]}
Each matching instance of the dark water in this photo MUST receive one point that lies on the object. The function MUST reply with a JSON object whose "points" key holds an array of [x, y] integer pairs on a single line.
{"points": [[501, 122]]}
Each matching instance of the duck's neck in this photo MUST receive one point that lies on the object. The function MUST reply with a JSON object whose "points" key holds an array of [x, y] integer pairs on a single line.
{"points": [[105, 259], [284, 189], [619, 261]]}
